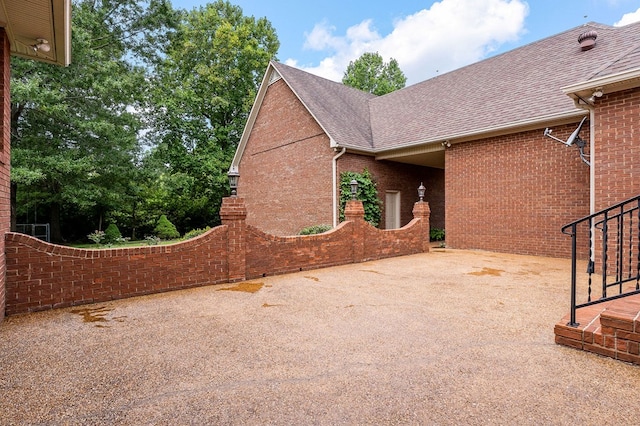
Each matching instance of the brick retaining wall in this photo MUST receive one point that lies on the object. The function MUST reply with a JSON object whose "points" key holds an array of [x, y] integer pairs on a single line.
{"points": [[43, 276]]}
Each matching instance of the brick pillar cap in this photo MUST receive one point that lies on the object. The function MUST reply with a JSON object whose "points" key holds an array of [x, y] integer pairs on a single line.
{"points": [[354, 210], [421, 209], [233, 208]]}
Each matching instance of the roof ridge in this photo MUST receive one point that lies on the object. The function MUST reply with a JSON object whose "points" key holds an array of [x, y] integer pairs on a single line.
{"points": [[592, 24]]}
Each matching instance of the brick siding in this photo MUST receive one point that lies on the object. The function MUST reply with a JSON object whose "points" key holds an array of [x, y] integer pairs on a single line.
{"points": [[617, 136], [405, 178], [44, 276], [514, 193], [286, 170]]}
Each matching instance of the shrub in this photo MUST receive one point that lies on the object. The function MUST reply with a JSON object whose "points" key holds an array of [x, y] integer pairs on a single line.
{"points": [[152, 240], [97, 237], [436, 234], [195, 232], [165, 229], [314, 229], [112, 234]]}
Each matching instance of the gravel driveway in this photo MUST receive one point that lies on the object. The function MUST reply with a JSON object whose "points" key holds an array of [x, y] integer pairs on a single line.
{"points": [[447, 337]]}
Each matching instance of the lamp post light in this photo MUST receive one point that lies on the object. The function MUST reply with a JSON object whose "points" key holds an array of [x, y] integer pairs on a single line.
{"points": [[233, 181], [421, 190], [354, 189]]}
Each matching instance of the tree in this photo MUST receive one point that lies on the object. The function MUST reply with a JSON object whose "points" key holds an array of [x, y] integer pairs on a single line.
{"points": [[165, 229], [370, 74], [204, 89], [75, 130]]}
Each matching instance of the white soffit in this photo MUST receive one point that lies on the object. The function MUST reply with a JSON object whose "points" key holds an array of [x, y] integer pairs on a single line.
{"points": [[25, 21]]}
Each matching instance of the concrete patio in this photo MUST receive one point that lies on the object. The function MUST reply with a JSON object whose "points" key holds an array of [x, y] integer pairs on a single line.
{"points": [[447, 337]]}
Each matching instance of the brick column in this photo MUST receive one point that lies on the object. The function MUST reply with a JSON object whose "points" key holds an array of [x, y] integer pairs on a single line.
{"points": [[5, 161], [354, 212], [233, 214], [422, 211]]}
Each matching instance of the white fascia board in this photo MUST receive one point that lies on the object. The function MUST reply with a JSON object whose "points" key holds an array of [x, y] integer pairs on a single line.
{"points": [[630, 77], [248, 126], [518, 126]]}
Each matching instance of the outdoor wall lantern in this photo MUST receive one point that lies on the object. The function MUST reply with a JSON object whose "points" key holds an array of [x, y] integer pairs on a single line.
{"points": [[354, 189], [421, 190], [41, 45], [233, 181]]}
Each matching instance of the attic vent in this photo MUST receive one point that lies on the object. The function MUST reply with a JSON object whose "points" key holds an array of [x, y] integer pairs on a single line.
{"points": [[275, 76], [587, 40]]}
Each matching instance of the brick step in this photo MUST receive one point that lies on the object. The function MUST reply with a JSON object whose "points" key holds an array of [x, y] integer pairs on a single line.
{"points": [[610, 329]]}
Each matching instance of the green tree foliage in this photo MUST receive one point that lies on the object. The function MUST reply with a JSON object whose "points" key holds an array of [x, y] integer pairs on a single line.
{"points": [[371, 74], [204, 89], [367, 193], [144, 121], [75, 129], [165, 229]]}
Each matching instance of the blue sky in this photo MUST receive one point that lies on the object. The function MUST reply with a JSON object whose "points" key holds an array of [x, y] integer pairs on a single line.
{"points": [[425, 37]]}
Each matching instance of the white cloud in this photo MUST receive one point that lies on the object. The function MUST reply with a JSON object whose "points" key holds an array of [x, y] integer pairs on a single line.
{"points": [[451, 34], [628, 18]]}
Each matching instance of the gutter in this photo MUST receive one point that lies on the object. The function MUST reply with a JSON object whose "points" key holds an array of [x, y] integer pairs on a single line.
{"points": [[334, 164], [522, 125]]}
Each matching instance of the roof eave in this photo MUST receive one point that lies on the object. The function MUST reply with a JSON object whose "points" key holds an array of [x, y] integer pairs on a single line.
{"points": [[248, 126], [607, 84], [54, 27], [520, 126]]}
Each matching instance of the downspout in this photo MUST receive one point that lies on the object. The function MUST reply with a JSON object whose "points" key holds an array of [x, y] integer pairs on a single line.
{"points": [[335, 185], [592, 151], [592, 157]]}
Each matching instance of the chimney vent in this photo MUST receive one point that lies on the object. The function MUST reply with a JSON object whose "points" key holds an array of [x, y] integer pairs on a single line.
{"points": [[587, 40]]}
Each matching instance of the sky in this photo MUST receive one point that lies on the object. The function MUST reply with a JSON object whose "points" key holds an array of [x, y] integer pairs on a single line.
{"points": [[427, 38]]}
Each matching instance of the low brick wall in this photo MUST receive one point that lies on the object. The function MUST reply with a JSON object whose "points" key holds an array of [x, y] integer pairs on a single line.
{"points": [[44, 276]]}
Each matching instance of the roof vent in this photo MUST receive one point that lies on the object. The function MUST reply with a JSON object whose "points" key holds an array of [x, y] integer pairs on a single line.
{"points": [[587, 40]]}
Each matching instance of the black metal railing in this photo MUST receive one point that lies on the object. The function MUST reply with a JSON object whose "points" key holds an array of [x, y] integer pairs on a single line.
{"points": [[612, 238]]}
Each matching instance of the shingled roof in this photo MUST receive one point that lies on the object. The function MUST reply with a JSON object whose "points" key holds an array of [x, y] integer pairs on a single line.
{"points": [[524, 88], [342, 111]]}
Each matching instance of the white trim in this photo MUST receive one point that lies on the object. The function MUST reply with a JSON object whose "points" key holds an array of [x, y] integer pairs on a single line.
{"points": [[334, 169], [257, 104], [592, 159], [608, 80], [520, 126]]}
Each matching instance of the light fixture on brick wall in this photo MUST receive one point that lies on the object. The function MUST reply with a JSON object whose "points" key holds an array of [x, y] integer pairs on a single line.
{"points": [[596, 94], [421, 191], [233, 181], [354, 189]]}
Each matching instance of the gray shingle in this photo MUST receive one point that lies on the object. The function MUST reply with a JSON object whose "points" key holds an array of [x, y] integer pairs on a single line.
{"points": [[342, 111], [515, 87]]}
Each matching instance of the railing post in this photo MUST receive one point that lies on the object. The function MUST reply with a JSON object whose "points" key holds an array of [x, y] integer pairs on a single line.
{"points": [[572, 322], [233, 214]]}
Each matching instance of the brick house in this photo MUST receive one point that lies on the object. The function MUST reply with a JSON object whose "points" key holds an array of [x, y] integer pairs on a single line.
{"points": [[39, 30], [475, 136]]}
